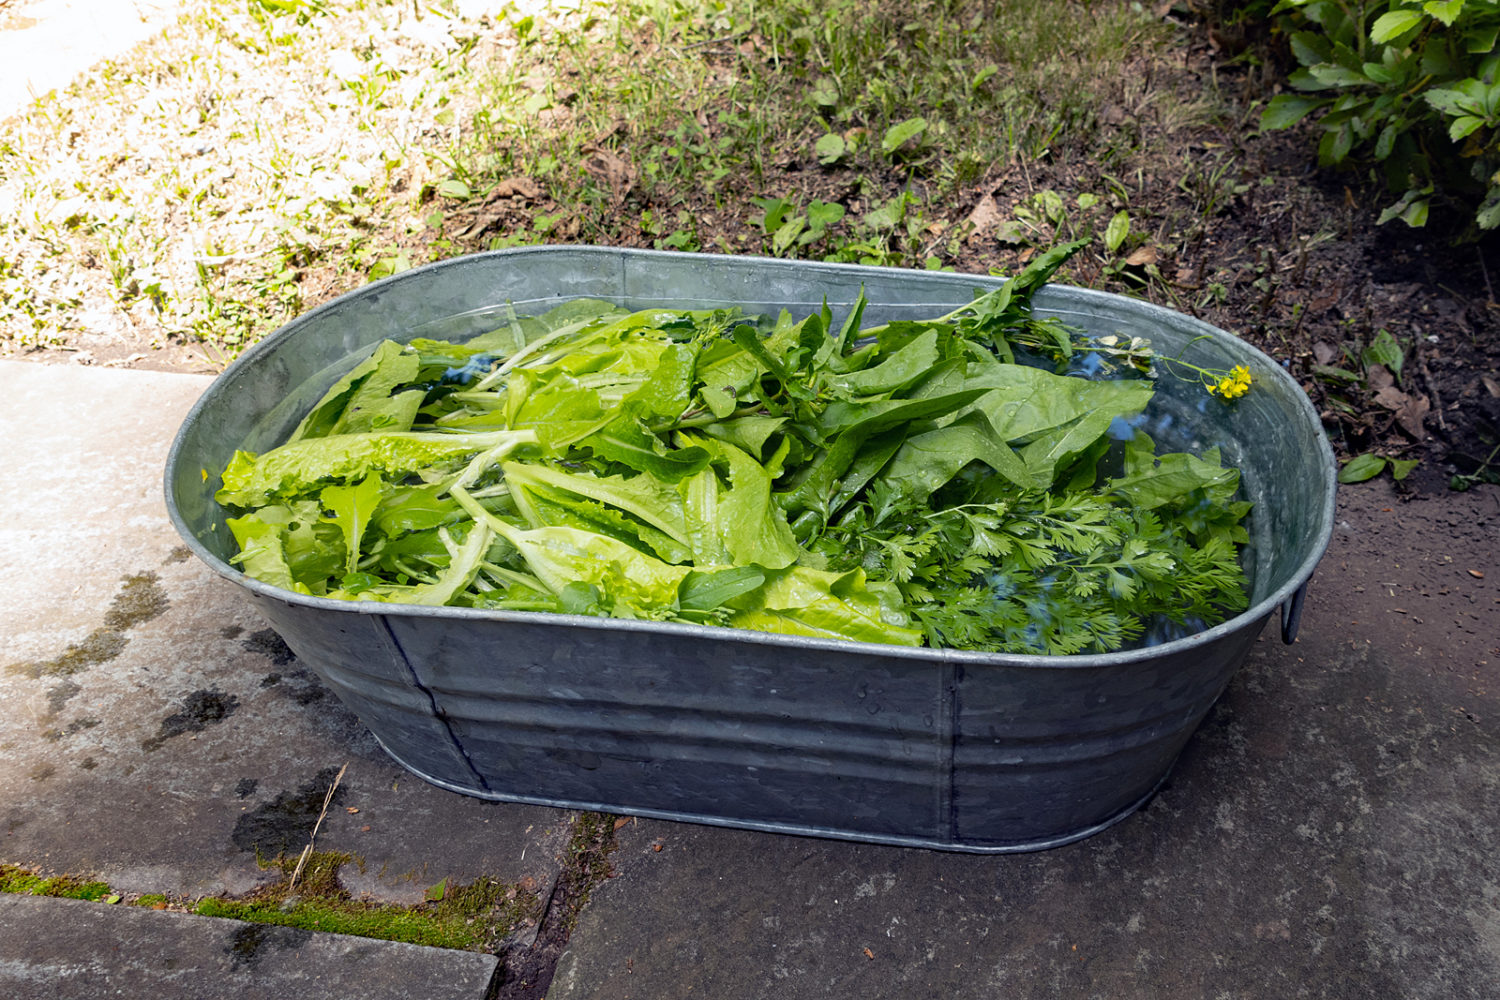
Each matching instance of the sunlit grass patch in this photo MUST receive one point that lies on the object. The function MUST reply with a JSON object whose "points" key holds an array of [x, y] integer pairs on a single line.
{"points": [[257, 158]]}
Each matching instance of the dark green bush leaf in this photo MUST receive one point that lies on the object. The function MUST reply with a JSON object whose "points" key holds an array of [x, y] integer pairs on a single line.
{"points": [[1286, 110], [1409, 85], [1309, 48], [1415, 214], [1446, 11], [1386, 142], [1395, 23]]}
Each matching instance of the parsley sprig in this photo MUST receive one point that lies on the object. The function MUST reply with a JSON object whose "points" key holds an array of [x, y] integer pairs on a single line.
{"points": [[1040, 572]]}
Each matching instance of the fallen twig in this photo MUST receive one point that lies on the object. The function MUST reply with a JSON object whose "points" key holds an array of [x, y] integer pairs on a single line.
{"points": [[307, 851]]}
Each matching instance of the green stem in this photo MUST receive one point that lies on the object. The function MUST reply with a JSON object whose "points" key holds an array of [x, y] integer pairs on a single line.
{"points": [[703, 419]]}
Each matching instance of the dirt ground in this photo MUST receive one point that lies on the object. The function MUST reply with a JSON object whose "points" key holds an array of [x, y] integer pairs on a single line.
{"points": [[1452, 590]]}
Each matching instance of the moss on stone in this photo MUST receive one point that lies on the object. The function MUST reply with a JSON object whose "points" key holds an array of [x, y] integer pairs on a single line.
{"points": [[468, 917], [14, 878], [140, 599]]}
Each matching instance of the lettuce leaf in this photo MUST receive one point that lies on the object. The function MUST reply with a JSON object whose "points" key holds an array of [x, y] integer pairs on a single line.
{"points": [[804, 601], [250, 480]]}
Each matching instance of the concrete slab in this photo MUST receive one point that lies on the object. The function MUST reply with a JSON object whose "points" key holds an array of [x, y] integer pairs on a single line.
{"points": [[45, 44], [1330, 832], [64, 949], [155, 734]]}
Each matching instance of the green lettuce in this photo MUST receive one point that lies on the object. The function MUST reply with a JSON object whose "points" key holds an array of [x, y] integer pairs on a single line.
{"points": [[908, 483]]}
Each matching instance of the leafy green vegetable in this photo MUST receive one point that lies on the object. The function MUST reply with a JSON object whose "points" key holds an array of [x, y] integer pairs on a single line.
{"points": [[292, 468], [906, 483]]}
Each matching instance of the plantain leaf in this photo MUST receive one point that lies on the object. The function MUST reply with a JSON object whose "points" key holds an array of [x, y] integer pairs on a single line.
{"points": [[1361, 467]]}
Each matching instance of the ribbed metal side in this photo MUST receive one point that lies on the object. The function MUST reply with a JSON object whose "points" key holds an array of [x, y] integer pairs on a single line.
{"points": [[664, 719], [930, 748], [1040, 751], [355, 656]]}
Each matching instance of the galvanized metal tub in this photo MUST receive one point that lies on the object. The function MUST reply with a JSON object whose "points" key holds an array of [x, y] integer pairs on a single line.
{"points": [[930, 748]]}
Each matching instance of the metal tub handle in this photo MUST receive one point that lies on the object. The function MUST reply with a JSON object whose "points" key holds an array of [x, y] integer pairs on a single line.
{"points": [[1291, 614]]}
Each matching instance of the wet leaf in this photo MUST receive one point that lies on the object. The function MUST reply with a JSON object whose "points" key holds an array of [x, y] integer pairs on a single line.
{"points": [[436, 893], [516, 187], [1379, 376], [1412, 414], [608, 168], [985, 216]]}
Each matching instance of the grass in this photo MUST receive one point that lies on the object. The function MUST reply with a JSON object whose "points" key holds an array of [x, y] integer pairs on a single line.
{"points": [[889, 110], [242, 153], [260, 157]]}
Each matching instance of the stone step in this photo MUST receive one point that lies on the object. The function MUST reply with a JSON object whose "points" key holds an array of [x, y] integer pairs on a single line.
{"points": [[70, 949]]}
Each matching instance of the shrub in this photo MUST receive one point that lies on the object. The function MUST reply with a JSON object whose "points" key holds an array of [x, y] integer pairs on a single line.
{"points": [[1407, 84]]}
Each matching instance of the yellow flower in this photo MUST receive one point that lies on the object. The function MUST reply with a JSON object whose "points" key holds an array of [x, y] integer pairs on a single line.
{"points": [[1232, 385]]}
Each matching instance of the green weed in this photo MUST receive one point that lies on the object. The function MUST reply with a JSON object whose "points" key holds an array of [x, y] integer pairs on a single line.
{"points": [[452, 916]]}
